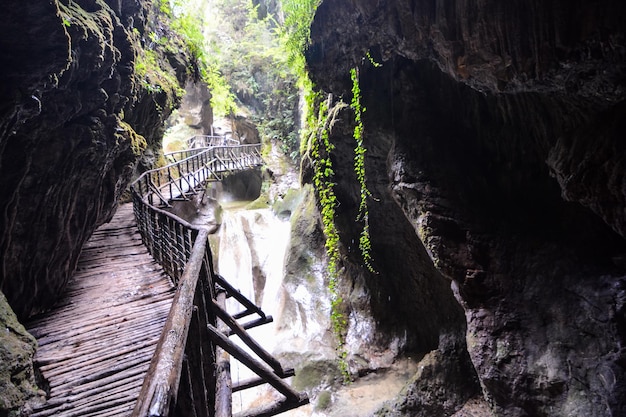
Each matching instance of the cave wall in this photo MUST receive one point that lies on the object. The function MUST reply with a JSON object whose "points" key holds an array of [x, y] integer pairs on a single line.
{"points": [[495, 129], [72, 110]]}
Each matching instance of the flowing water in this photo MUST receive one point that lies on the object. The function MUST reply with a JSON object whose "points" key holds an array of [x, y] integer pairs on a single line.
{"points": [[251, 255]]}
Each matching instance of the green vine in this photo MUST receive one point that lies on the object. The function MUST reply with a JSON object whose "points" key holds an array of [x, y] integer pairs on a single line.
{"points": [[359, 169], [320, 151], [316, 143]]}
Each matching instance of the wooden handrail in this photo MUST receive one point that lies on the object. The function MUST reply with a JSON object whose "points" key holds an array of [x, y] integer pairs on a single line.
{"points": [[188, 359], [206, 160], [160, 386]]}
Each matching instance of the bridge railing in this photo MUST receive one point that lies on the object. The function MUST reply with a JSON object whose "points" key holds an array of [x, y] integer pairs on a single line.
{"points": [[191, 168], [204, 141], [181, 377], [190, 373]]}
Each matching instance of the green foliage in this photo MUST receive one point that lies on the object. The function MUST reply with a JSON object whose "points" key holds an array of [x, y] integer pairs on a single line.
{"points": [[153, 76], [189, 26], [248, 59], [359, 169], [186, 20], [222, 98], [296, 32], [295, 36], [320, 151], [371, 60]]}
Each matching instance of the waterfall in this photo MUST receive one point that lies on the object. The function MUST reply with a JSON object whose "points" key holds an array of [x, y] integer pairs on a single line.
{"points": [[252, 250], [251, 256]]}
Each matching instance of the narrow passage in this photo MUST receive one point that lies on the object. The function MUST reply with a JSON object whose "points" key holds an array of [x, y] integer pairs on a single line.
{"points": [[96, 345]]}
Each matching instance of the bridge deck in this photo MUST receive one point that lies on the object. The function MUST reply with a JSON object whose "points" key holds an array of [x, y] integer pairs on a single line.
{"points": [[96, 345]]}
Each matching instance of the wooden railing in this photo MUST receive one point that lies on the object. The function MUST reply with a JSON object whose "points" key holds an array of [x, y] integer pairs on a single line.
{"points": [[192, 168], [189, 374]]}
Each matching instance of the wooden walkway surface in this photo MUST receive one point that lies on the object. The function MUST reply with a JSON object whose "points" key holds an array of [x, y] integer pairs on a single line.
{"points": [[96, 345]]}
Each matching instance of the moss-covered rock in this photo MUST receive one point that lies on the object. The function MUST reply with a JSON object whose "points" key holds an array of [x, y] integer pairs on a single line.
{"points": [[18, 388], [75, 117], [316, 373], [285, 206]]}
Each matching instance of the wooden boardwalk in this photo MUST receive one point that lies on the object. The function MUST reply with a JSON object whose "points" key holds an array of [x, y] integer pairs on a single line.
{"points": [[96, 345]]}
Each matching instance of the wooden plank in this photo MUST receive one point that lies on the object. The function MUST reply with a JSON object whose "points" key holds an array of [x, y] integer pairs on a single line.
{"points": [[95, 346]]}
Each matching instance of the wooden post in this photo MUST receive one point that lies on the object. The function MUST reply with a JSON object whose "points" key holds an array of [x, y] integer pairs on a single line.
{"points": [[223, 392]]}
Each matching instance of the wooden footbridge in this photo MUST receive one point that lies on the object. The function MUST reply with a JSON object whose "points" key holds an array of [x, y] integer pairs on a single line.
{"points": [[143, 330]]}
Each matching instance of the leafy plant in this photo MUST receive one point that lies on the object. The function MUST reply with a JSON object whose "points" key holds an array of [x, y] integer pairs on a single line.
{"points": [[359, 169], [153, 76], [320, 152]]}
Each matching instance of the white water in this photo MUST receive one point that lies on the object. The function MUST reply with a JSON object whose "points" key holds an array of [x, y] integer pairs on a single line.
{"points": [[251, 257], [252, 250]]}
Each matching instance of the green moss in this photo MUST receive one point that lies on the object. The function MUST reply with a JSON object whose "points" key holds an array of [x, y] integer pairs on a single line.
{"points": [[324, 400], [17, 348], [138, 143], [289, 202], [155, 75], [76, 18], [259, 203], [316, 373]]}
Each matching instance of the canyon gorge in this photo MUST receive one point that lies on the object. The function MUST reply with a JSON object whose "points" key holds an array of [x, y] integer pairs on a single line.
{"points": [[496, 164]]}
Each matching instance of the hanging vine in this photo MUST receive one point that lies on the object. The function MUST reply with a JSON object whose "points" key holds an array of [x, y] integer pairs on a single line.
{"points": [[365, 244], [323, 177]]}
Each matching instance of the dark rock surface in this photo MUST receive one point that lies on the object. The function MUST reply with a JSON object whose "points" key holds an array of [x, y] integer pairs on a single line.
{"points": [[66, 84], [496, 155], [72, 114]]}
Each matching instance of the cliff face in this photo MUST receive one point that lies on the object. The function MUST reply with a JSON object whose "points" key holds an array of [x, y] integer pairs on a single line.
{"points": [[68, 85], [496, 154]]}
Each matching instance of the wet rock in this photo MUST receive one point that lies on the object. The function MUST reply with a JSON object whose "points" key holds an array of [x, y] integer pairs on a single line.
{"points": [[245, 131], [503, 153], [242, 186]]}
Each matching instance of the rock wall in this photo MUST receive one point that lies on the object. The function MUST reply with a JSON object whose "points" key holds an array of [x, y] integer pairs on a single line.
{"points": [[495, 156], [70, 104], [18, 384]]}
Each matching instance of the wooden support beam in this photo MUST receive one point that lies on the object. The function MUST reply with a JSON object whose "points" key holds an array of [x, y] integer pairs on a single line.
{"points": [[255, 382], [248, 340], [252, 324], [254, 365], [237, 295], [273, 408], [248, 383]]}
